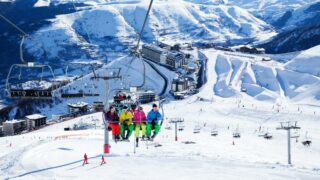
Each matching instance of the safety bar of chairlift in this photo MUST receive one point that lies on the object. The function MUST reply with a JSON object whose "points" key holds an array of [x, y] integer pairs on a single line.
{"points": [[116, 76], [27, 65]]}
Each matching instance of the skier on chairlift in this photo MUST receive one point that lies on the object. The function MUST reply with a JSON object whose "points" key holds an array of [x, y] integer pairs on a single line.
{"points": [[153, 122], [113, 120], [126, 123], [139, 121], [133, 109]]}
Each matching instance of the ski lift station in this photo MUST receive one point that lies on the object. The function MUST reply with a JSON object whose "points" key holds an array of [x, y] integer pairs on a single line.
{"points": [[170, 59]]}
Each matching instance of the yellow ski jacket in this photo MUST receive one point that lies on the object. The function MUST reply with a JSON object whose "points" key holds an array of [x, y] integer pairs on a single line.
{"points": [[125, 116]]}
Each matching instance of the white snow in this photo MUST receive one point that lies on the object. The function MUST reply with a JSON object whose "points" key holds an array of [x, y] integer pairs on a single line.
{"points": [[270, 10], [42, 3], [35, 116], [306, 62], [56, 153]]}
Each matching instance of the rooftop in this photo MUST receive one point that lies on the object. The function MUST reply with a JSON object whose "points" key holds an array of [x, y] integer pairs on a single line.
{"points": [[78, 104], [35, 116], [13, 121]]}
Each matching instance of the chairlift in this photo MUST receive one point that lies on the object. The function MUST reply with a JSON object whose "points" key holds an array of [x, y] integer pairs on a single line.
{"points": [[196, 129], [86, 88], [181, 126], [261, 133], [38, 87], [214, 132], [236, 133], [268, 136], [168, 126], [295, 134], [307, 140]]}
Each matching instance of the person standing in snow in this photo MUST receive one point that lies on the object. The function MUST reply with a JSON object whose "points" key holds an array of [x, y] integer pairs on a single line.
{"points": [[153, 122], [113, 119], [85, 159], [102, 160], [126, 123], [139, 120]]}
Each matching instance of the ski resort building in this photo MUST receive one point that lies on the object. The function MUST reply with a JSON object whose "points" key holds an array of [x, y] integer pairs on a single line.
{"points": [[251, 50], [179, 84], [171, 59], [13, 127], [35, 121], [78, 108], [175, 59], [154, 53], [144, 96]]}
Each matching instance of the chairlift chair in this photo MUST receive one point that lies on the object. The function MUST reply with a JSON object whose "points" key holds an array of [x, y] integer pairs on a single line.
{"points": [[295, 134], [168, 126], [196, 129], [214, 132], [307, 140], [15, 84], [261, 133], [267, 135], [181, 126], [236, 133]]}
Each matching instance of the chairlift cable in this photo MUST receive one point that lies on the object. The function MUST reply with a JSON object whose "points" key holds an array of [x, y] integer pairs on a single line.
{"points": [[24, 34], [135, 52], [14, 25]]}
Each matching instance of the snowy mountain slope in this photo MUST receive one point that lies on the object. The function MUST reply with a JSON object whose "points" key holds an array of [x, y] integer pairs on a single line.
{"points": [[268, 81], [306, 62], [39, 153], [301, 38], [270, 10], [303, 16], [114, 26], [299, 30]]}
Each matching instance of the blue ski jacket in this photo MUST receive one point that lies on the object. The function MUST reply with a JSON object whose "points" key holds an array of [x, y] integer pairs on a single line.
{"points": [[152, 115]]}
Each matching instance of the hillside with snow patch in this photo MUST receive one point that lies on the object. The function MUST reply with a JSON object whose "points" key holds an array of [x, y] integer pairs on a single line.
{"points": [[270, 10], [113, 26]]}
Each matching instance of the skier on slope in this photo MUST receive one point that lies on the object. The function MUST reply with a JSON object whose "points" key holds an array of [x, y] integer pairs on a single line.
{"points": [[113, 120], [85, 159], [102, 160], [153, 120], [125, 123], [139, 121]]}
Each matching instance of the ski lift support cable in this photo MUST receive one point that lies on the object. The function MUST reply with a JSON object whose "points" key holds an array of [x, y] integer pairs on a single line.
{"points": [[136, 52]]}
